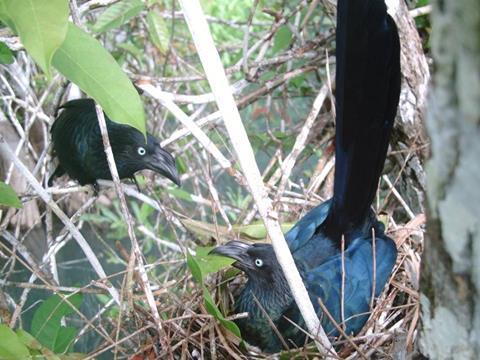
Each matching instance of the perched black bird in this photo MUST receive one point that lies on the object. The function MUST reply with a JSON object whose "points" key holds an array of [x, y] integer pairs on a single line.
{"points": [[367, 94], [77, 143]]}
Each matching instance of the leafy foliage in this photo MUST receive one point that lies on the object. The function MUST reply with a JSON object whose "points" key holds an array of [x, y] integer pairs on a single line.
{"points": [[46, 323], [49, 336]]}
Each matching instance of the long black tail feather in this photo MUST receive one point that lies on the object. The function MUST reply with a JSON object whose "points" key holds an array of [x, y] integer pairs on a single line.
{"points": [[367, 94]]}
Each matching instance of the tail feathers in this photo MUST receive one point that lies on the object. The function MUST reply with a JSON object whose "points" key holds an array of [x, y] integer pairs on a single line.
{"points": [[367, 94]]}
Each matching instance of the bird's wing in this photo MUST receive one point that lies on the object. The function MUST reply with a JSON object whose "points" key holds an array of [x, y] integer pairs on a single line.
{"points": [[305, 228], [367, 94], [325, 282], [71, 132]]}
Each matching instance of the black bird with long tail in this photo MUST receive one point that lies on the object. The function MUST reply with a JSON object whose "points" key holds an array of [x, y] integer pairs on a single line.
{"points": [[78, 145], [367, 95]]}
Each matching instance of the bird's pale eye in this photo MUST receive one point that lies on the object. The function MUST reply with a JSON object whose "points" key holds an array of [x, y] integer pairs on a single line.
{"points": [[141, 151], [258, 262]]}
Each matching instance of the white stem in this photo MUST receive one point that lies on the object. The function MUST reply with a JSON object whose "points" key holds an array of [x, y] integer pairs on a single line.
{"points": [[219, 84], [188, 123]]}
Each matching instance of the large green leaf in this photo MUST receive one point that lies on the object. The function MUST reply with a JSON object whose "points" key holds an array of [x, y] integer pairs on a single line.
{"points": [[158, 31], [41, 25], [117, 14], [194, 268], [46, 326], [83, 60], [11, 348], [8, 196]]}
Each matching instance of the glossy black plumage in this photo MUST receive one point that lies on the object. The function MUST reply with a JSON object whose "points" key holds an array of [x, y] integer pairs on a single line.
{"points": [[367, 94], [78, 145]]}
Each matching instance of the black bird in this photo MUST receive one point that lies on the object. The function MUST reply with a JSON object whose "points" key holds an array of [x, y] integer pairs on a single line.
{"points": [[367, 94], [77, 143]]}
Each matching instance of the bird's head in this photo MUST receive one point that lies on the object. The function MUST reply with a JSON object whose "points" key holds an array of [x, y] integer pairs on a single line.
{"points": [[158, 159], [258, 261], [138, 155]]}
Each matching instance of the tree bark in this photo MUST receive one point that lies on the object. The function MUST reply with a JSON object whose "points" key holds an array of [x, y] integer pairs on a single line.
{"points": [[451, 262]]}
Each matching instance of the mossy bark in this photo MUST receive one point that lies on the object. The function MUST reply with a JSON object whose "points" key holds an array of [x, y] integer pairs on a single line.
{"points": [[451, 262]]}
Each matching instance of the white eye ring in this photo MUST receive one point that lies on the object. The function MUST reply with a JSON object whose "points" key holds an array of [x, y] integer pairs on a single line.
{"points": [[141, 151], [258, 262]]}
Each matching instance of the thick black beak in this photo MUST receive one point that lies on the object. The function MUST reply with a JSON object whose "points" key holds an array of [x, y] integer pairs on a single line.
{"points": [[237, 250], [164, 164]]}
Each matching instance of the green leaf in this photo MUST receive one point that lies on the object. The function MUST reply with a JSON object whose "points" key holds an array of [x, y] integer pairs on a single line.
{"points": [[33, 344], [215, 311], [64, 339], [83, 60], [282, 39], [250, 232], [158, 31], [257, 231], [210, 264], [6, 56], [28, 340], [46, 320], [8, 196], [117, 14], [194, 268], [201, 264], [41, 25], [11, 347]]}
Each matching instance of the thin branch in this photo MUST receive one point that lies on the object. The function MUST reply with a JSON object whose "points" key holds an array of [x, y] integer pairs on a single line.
{"points": [[188, 123], [128, 219], [289, 162]]}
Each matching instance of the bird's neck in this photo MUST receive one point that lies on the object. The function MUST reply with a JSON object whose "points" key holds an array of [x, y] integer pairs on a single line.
{"points": [[271, 295]]}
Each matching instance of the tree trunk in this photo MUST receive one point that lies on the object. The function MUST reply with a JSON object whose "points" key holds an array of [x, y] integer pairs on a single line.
{"points": [[451, 261]]}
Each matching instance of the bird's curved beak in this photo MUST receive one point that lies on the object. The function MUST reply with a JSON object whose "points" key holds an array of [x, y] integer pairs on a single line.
{"points": [[236, 250], [164, 164]]}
